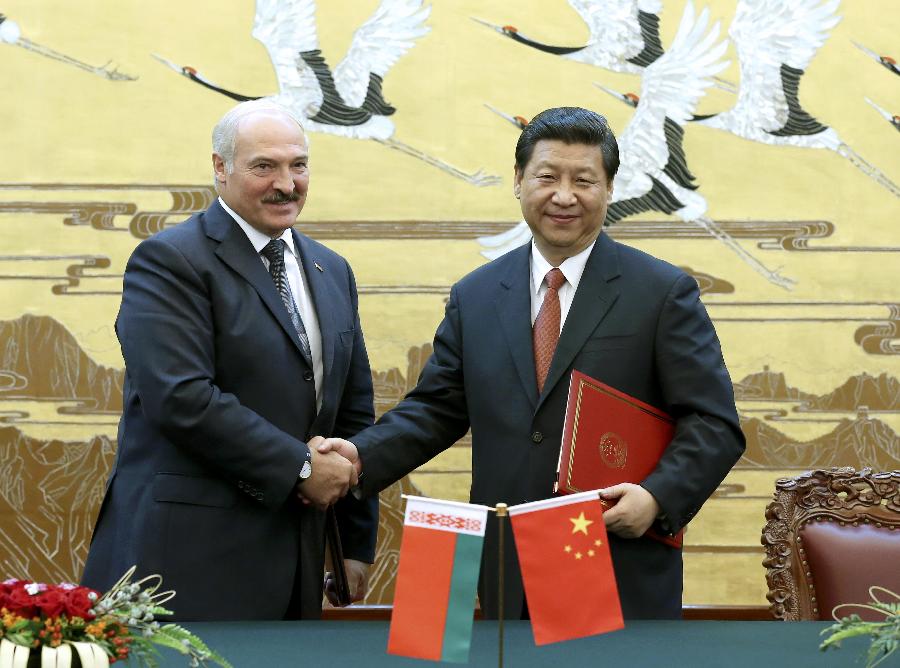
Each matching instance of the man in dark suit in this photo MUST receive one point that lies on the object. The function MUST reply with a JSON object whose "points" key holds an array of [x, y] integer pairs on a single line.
{"points": [[241, 339], [512, 334]]}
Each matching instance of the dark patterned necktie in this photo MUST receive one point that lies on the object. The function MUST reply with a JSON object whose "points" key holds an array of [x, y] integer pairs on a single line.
{"points": [[274, 253], [545, 333]]}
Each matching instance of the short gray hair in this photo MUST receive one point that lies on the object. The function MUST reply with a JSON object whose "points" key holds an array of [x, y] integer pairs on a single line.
{"points": [[224, 135]]}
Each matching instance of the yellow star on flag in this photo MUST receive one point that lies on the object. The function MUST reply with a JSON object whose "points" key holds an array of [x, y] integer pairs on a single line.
{"points": [[567, 548], [581, 524]]}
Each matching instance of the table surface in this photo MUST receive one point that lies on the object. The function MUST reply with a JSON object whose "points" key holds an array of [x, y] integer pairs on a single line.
{"points": [[670, 644]]}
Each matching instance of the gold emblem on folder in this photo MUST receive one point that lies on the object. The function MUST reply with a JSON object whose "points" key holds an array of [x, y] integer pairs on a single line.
{"points": [[613, 450]]}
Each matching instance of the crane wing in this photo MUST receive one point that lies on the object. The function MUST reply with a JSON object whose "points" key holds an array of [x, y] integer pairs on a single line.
{"points": [[624, 29], [776, 41], [377, 45], [671, 87], [287, 28]]}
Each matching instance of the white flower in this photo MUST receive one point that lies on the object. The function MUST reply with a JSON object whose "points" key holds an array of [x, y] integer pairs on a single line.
{"points": [[68, 586], [33, 588]]}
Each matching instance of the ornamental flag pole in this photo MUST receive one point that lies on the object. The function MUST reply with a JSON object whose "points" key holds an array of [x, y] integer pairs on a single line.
{"points": [[440, 555]]}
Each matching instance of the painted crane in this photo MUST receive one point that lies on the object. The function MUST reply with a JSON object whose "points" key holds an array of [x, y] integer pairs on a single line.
{"points": [[893, 119], [887, 62], [624, 36], [348, 101], [653, 173], [776, 41]]}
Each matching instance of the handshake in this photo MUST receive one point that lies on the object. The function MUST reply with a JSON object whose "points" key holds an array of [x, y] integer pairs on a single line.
{"points": [[335, 470]]}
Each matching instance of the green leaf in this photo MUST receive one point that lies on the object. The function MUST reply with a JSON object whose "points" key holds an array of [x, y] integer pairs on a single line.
{"points": [[19, 625], [174, 637], [885, 634]]}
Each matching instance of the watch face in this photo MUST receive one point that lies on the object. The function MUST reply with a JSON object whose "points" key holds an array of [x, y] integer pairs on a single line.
{"points": [[306, 471]]}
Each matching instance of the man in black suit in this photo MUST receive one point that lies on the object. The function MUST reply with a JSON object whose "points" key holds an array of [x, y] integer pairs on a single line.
{"points": [[513, 332], [241, 339]]}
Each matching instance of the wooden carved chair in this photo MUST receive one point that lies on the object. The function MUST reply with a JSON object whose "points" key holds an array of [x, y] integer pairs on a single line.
{"points": [[829, 536]]}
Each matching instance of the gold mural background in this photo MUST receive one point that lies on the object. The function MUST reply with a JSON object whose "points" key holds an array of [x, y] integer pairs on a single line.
{"points": [[91, 165]]}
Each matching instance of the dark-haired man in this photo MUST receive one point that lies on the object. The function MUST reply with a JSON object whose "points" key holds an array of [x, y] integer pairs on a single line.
{"points": [[516, 328]]}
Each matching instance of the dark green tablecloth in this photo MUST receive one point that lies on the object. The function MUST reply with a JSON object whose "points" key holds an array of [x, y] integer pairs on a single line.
{"points": [[663, 644]]}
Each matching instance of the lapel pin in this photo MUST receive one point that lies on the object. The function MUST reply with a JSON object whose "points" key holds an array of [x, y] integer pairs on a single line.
{"points": [[318, 266]]}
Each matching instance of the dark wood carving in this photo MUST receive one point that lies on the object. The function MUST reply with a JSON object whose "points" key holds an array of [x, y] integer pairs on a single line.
{"points": [[843, 495]]}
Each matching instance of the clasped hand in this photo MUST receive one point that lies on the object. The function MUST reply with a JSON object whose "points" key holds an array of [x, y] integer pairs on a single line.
{"points": [[335, 469]]}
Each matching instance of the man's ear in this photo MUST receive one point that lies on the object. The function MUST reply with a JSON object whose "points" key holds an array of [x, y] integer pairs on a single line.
{"points": [[219, 167], [517, 182]]}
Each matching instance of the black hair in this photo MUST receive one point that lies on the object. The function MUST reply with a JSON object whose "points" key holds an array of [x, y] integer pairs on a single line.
{"points": [[571, 125]]}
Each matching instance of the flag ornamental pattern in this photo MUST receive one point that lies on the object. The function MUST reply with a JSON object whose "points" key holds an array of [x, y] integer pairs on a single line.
{"points": [[566, 567], [434, 598]]}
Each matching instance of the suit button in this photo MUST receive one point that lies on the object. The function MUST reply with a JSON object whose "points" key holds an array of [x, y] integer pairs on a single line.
{"points": [[537, 437], [308, 375]]}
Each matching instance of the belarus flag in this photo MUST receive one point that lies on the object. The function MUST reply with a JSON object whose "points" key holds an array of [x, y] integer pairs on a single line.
{"points": [[434, 599], [563, 551]]}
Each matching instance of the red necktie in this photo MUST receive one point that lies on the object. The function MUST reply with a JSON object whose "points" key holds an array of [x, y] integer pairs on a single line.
{"points": [[546, 328]]}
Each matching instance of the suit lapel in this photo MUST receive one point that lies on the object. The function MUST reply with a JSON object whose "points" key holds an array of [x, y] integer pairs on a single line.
{"points": [[514, 310], [321, 289], [237, 252], [594, 298]]}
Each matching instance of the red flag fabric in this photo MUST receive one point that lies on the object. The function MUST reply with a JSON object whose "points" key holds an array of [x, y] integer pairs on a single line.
{"points": [[566, 567], [440, 555]]}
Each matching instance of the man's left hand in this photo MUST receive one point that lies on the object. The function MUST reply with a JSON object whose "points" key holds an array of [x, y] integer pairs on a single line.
{"points": [[633, 513], [357, 578]]}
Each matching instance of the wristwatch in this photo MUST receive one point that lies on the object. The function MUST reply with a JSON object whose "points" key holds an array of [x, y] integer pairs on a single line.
{"points": [[305, 471]]}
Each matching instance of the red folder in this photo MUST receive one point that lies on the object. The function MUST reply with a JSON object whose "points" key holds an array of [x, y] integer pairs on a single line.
{"points": [[610, 437]]}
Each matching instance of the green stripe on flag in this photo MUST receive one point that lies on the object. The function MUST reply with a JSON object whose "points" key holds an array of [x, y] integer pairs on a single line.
{"points": [[461, 601]]}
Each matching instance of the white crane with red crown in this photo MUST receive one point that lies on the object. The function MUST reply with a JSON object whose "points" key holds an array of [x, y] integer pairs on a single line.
{"points": [[347, 102], [624, 36], [653, 173]]}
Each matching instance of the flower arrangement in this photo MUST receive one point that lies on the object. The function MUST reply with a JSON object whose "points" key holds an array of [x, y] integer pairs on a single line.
{"points": [[885, 634], [120, 622]]}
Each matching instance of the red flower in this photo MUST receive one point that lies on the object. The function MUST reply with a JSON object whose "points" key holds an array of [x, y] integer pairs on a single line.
{"points": [[78, 604], [4, 595], [21, 602], [51, 602]]}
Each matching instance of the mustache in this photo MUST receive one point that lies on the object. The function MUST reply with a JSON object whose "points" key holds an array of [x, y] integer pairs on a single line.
{"points": [[281, 198]]}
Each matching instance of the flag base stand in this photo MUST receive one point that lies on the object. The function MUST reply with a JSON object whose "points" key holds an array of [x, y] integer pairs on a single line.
{"points": [[501, 517]]}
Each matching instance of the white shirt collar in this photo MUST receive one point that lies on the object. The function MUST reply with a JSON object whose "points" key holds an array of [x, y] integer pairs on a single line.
{"points": [[257, 238], [572, 268]]}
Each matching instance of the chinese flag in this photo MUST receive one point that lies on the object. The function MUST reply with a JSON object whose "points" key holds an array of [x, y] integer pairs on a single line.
{"points": [[563, 550]]}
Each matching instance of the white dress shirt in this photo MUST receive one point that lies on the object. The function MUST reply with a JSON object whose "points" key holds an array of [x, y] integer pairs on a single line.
{"points": [[293, 265], [572, 268]]}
